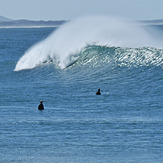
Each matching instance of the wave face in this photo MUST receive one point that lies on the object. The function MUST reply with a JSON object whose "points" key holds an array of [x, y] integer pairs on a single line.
{"points": [[95, 56], [65, 45]]}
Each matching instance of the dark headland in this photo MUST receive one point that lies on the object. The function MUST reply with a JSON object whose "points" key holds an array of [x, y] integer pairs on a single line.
{"points": [[9, 23]]}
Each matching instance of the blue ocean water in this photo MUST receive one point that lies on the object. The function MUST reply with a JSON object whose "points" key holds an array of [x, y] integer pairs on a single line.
{"points": [[122, 125]]}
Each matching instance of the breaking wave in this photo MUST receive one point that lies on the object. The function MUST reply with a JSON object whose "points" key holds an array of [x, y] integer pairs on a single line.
{"points": [[123, 41]]}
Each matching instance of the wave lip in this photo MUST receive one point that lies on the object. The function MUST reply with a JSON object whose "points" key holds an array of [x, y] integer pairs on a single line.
{"points": [[65, 44]]}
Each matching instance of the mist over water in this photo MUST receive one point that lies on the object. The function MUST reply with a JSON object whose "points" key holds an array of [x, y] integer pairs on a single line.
{"points": [[65, 44]]}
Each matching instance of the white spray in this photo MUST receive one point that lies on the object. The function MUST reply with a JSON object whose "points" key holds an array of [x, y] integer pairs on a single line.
{"points": [[72, 37]]}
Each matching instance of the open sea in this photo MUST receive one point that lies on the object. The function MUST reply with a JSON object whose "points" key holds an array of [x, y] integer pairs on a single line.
{"points": [[65, 67]]}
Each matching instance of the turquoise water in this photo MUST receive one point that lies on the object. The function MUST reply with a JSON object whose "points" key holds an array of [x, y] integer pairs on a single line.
{"points": [[124, 124]]}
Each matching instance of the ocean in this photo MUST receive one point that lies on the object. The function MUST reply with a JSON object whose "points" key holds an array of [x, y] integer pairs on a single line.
{"points": [[65, 67]]}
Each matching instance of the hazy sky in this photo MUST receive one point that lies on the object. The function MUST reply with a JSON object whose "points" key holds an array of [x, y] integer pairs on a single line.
{"points": [[69, 9]]}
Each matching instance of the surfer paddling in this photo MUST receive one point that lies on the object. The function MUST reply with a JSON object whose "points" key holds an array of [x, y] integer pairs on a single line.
{"points": [[98, 92], [41, 106]]}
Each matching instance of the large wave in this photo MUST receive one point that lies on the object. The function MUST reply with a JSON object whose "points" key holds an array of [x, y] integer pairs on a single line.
{"points": [[64, 45]]}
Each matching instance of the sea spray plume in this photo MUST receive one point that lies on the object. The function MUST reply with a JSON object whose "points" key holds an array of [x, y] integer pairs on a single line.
{"points": [[64, 44]]}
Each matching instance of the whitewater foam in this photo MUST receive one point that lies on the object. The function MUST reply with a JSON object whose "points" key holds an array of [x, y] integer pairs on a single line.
{"points": [[64, 45]]}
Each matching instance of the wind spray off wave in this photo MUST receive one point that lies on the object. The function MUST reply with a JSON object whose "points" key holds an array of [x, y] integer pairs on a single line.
{"points": [[64, 45]]}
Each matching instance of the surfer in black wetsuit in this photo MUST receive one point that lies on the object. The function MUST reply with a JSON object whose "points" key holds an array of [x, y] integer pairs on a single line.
{"points": [[41, 106], [98, 92]]}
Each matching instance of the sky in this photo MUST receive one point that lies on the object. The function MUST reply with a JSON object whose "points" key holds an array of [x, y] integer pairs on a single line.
{"points": [[70, 9]]}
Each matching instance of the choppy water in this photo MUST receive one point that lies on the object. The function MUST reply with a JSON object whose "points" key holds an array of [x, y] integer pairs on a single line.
{"points": [[124, 124]]}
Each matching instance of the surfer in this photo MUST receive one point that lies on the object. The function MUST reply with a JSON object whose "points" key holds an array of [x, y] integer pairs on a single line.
{"points": [[98, 92], [41, 106]]}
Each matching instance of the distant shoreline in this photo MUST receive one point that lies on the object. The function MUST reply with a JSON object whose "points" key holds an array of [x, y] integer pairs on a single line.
{"points": [[31, 24], [7, 27], [57, 26], [23, 23]]}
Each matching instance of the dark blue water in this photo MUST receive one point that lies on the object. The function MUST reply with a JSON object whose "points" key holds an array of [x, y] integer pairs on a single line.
{"points": [[124, 124]]}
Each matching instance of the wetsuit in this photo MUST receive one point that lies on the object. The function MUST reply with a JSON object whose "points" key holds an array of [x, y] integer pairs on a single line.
{"points": [[41, 107], [98, 92]]}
